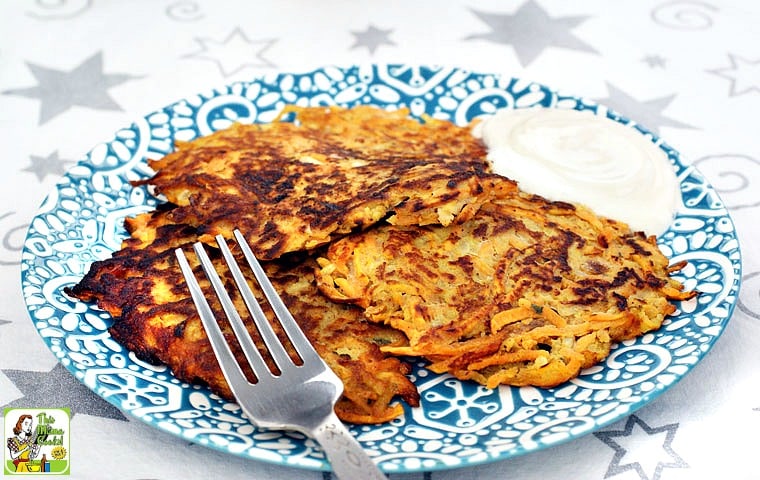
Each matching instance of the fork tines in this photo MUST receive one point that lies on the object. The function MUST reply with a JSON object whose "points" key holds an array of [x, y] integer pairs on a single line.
{"points": [[299, 396], [275, 348]]}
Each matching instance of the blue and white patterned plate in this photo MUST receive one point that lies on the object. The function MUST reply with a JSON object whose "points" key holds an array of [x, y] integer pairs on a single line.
{"points": [[458, 423]]}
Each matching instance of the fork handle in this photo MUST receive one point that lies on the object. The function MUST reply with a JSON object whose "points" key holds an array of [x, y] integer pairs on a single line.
{"points": [[348, 459]]}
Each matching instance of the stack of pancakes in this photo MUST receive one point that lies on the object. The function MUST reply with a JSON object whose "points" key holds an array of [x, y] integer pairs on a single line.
{"points": [[387, 237]]}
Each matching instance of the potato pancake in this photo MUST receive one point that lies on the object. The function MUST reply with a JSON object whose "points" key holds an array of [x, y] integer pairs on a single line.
{"points": [[142, 288], [386, 237], [295, 185], [527, 292]]}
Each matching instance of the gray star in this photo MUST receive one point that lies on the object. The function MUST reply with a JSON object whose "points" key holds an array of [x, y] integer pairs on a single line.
{"points": [[646, 113], [43, 166], [655, 61], [85, 86], [743, 74], [58, 388], [234, 53], [641, 454], [372, 38], [530, 31], [3, 322]]}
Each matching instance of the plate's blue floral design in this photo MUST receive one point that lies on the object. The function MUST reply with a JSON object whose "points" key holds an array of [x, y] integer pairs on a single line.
{"points": [[459, 423]]}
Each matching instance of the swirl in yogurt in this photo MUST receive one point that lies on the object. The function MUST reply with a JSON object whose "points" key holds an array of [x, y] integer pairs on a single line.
{"points": [[579, 157]]}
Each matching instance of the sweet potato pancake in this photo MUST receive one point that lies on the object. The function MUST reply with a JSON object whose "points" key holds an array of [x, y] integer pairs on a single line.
{"points": [[386, 237], [142, 287], [290, 186], [295, 185], [527, 292]]}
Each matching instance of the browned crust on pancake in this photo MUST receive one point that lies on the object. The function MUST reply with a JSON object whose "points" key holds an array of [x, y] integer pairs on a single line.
{"points": [[296, 186], [448, 261], [142, 287], [527, 292]]}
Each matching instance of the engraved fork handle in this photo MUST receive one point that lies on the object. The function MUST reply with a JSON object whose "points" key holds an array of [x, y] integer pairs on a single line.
{"points": [[348, 459]]}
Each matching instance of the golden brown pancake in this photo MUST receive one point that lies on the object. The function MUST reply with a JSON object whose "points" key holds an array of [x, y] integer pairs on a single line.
{"points": [[296, 185], [527, 292], [289, 186], [142, 287], [422, 252]]}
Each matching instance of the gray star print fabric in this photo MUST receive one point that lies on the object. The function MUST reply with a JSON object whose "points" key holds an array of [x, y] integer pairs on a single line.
{"points": [[107, 82], [85, 86]]}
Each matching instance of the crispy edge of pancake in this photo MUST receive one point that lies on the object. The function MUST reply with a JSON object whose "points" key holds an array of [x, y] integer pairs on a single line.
{"points": [[360, 128], [445, 179], [458, 198], [528, 292], [142, 288]]}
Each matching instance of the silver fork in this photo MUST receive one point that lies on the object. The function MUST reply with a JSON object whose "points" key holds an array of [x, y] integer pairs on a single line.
{"points": [[300, 397]]}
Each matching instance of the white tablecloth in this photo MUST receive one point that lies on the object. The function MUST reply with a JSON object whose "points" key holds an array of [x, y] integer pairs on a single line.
{"points": [[74, 72]]}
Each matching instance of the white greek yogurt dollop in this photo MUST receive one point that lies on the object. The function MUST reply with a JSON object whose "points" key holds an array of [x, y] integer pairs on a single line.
{"points": [[579, 157]]}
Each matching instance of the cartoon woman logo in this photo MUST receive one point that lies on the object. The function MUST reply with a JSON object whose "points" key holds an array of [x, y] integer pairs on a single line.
{"points": [[23, 445]]}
